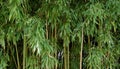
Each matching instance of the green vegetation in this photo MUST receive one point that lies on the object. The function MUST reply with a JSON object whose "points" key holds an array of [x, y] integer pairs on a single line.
{"points": [[59, 34]]}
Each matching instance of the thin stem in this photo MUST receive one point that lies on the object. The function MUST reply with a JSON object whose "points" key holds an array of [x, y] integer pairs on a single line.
{"points": [[46, 30], [65, 64], [68, 57], [13, 56], [18, 62], [81, 50], [24, 52], [55, 45], [89, 44], [46, 37]]}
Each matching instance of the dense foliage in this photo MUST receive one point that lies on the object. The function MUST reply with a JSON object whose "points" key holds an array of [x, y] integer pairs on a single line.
{"points": [[59, 34]]}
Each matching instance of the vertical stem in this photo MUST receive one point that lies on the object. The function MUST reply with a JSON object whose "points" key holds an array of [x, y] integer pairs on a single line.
{"points": [[17, 58], [81, 50], [47, 37], [89, 44], [107, 56], [55, 45], [88, 40], [24, 52], [65, 64], [13, 56], [46, 30], [68, 56]]}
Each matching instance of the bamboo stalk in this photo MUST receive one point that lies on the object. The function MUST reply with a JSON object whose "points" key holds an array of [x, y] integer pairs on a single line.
{"points": [[107, 56], [18, 62], [55, 45], [65, 64], [89, 41], [46, 37], [68, 57], [24, 53], [13, 56], [46, 30], [81, 50]]}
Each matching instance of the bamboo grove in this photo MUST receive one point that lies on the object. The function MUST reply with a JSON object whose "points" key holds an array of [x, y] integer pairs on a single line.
{"points": [[59, 34]]}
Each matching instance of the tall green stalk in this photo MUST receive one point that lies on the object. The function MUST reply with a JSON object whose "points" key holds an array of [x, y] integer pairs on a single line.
{"points": [[12, 55], [81, 49], [68, 57], [18, 62], [46, 30], [24, 52], [89, 44], [65, 59], [56, 65]]}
